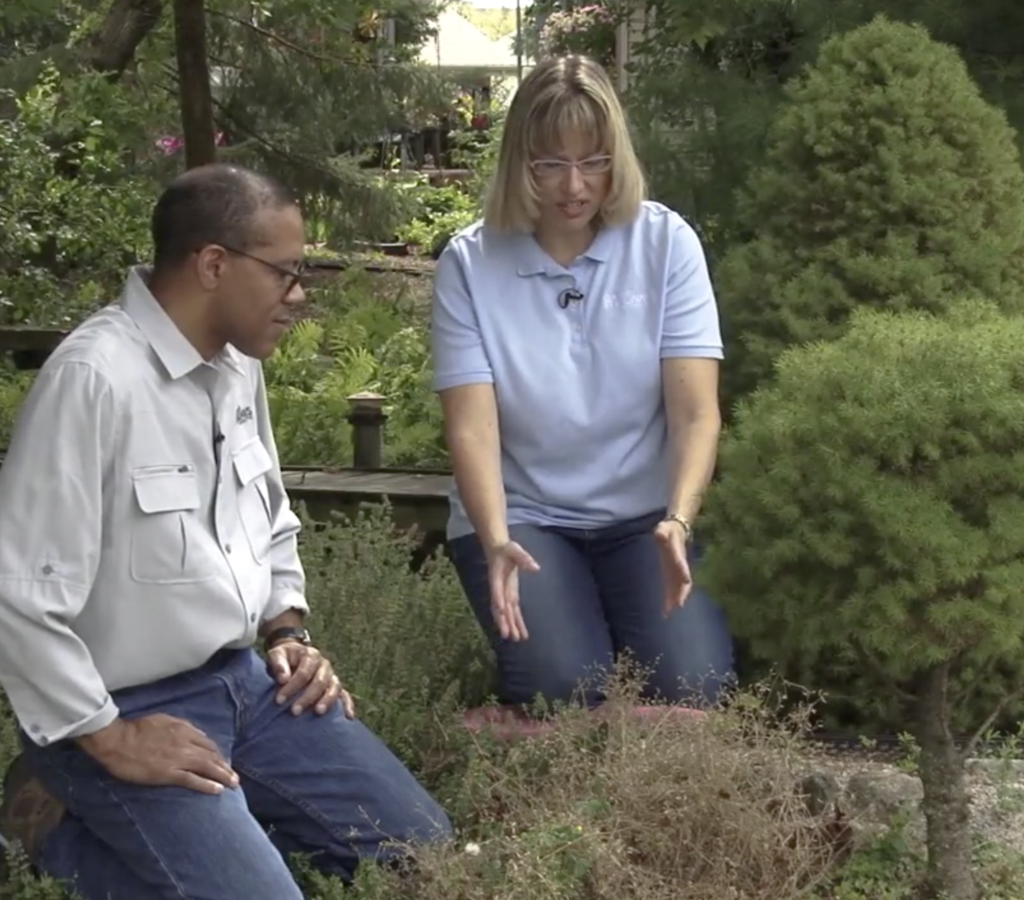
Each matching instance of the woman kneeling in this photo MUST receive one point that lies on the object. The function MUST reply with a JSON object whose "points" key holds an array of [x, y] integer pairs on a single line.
{"points": [[576, 346]]}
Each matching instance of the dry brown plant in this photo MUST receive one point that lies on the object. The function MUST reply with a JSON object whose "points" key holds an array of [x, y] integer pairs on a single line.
{"points": [[666, 806]]}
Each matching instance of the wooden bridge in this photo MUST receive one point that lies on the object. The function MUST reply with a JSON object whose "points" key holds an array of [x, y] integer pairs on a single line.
{"points": [[418, 497]]}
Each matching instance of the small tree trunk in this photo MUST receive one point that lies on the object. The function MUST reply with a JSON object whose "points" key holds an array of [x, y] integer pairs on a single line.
{"points": [[194, 92], [945, 802]]}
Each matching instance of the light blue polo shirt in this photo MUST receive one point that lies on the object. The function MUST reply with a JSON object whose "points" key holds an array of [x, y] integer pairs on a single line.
{"points": [[579, 392]]}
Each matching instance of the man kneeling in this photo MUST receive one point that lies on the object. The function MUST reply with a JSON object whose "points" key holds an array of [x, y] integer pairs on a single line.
{"points": [[146, 544]]}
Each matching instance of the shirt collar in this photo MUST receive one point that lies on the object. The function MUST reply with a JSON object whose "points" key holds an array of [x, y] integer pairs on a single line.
{"points": [[534, 261], [175, 352]]}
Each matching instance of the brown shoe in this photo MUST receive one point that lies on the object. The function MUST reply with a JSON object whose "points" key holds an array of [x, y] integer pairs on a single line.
{"points": [[28, 812]]}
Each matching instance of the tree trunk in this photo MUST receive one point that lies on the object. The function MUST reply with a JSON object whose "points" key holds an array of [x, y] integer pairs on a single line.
{"points": [[109, 48], [945, 803], [194, 92]]}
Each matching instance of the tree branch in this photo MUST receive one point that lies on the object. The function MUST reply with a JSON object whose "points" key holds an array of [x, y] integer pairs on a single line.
{"points": [[975, 738], [109, 49], [878, 671], [275, 38]]}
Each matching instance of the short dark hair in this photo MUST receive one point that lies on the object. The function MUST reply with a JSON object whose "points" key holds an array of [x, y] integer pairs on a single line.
{"points": [[213, 204]]}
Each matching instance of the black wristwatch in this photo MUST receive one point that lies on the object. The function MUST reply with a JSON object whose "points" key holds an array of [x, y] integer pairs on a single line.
{"points": [[288, 633]]}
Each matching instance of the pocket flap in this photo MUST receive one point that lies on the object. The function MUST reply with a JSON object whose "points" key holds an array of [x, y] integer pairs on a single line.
{"points": [[166, 488], [250, 461]]}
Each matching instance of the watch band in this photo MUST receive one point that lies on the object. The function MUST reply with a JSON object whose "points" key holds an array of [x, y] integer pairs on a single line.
{"points": [[288, 633], [681, 520]]}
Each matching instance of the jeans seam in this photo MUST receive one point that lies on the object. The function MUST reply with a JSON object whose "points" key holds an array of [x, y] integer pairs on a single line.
{"points": [[142, 834], [278, 788], [239, 717]]}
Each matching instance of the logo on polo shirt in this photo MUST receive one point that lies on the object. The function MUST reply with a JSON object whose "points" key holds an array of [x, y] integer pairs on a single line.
{"points": [[243, 414], [624, 300]]}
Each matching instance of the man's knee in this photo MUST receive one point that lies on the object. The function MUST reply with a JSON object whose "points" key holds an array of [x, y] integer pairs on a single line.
{"points": [[423, 821], [165, 869]]}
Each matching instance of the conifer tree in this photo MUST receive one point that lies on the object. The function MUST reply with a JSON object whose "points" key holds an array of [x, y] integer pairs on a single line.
{"points": [[889, 183], [871, 510]]}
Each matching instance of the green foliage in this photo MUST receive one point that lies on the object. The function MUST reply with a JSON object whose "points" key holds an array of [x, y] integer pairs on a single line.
{"points": [[13, 387], [889, 182], [885, 869], [440, 213], [362, 339], [73, 209], [343, 87], [406, 642], [704, 86], [871, 505]]}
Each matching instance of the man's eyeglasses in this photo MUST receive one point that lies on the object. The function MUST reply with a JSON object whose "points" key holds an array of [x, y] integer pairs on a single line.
{"points": [[289, 277]]}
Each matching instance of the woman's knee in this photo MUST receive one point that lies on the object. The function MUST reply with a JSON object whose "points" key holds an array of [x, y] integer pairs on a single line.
{"points": [[697, 662], [569, 649], [557, 679]]}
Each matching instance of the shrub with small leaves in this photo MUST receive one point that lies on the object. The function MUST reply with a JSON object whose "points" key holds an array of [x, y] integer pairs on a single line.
{"points": [[870, 513], [405, 642], [889, 183]]}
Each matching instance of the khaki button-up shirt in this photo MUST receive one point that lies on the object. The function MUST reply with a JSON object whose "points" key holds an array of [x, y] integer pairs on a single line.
{"points": [[144, 524]]}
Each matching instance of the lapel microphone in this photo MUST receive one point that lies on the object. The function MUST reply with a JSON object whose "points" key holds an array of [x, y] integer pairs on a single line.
{"points": [[569, 295]]}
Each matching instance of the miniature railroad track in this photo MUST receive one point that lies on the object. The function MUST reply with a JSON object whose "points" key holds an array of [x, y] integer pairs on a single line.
{"points": [[892, 747], [413, 269]]}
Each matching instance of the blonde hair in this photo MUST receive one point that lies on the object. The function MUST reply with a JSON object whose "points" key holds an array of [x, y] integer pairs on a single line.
{"points": [[561, 94]]}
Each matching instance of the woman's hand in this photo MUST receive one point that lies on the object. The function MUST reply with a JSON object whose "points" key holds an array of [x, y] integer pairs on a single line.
{"points": [[503, 565], [675, 569]]}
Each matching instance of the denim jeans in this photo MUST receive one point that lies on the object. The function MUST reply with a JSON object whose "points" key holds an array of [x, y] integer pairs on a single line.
{"points": [[319, 785], [597, 595]]}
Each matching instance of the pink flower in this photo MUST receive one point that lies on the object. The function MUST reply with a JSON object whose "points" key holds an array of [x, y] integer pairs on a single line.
{"points": [[170, 144]]}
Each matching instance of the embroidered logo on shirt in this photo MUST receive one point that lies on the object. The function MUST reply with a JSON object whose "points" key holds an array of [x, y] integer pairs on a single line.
{"points": [[243, 414], [624, 300]]}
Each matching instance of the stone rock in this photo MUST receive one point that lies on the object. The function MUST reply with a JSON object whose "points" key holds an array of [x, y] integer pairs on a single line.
{"points": [[875, 797], [996, 770], [884, 793], [819, 790], [872, 800]]}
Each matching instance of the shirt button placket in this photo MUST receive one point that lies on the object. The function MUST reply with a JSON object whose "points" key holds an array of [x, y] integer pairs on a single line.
{"points": [[579, 335]]}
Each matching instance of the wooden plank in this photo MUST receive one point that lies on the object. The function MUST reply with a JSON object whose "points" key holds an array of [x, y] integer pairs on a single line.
{"points": [[24, 337], [410, 486], [29, 346], [417, 499]]}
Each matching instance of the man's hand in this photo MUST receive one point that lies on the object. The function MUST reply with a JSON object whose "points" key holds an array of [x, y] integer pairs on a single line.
{"points": [[160, 750], [296, 668]]}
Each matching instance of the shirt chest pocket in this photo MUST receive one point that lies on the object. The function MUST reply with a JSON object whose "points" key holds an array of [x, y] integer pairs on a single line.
{"points": [[169, 542], [251, 463]]}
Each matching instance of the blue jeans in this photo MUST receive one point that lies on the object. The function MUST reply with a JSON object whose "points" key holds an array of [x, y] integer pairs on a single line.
{"points": [[597, 595], [319, 785]]}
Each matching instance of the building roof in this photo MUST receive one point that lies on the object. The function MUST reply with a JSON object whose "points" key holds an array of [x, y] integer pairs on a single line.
{"points": [[459, 44]]}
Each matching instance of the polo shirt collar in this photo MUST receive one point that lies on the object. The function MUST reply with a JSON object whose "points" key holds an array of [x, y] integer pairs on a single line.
{"points": [[175, 352], [534, 261]]}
